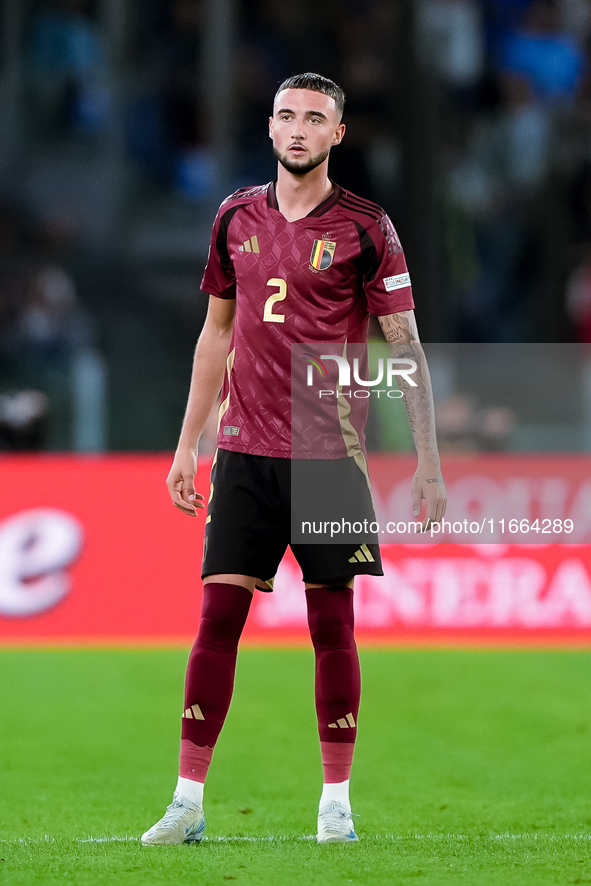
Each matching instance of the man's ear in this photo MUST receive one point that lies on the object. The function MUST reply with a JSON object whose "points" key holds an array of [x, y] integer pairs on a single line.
{"points": [[339, 134], [270, 127]]}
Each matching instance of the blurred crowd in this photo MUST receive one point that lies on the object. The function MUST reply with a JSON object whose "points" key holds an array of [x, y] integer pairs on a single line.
{"points": [[512, 108], [42, 326], [518, 214], [508, 122], [66, 69]]}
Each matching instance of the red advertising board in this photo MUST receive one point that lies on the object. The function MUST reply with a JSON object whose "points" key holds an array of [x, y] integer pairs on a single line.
{"points": [[91, 550]]}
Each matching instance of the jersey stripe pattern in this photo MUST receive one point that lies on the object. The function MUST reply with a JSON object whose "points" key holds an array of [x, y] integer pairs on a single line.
{"points": [[314, 280]]}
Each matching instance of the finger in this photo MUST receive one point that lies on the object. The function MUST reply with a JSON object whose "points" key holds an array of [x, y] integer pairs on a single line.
{"points": [[185, 509], [179, 502], [192, 498], [430, 516], [178, 499], [434, 514], [416, 499], [439, 508], [187, 489]]}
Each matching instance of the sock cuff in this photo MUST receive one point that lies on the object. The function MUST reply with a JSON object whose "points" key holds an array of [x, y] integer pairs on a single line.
{"points": [[194, 760], [337, 758]]}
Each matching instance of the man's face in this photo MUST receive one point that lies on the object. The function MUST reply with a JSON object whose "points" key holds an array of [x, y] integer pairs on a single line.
{"points": [[304, 127]]}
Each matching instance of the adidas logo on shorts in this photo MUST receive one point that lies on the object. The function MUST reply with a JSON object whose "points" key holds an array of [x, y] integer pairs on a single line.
{"points": [[363, 555]]}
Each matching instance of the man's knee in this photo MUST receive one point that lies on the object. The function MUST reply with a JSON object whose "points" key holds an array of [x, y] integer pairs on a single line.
{"points": [[243, 581], [330, 617], [223, 613]]}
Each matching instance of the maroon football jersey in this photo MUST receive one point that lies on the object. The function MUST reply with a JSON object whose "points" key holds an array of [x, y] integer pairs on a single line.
{"points": [[312, 280]]}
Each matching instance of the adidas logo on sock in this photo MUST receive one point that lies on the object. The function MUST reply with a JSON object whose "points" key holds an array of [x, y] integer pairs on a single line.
{"points": [[251, 245], [193, 713], [363, 555], [343, 722]]}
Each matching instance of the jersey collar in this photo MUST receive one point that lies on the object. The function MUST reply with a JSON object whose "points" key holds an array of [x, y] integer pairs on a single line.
{"points": [[330, 201]]}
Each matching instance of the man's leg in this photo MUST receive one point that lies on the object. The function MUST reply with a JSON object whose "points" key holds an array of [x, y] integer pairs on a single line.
{"points": [[208, 692], [338, 690]]}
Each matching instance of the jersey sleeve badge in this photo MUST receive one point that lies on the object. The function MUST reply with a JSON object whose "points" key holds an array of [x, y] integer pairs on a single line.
{"points": [[322, 254], [399, 282]]}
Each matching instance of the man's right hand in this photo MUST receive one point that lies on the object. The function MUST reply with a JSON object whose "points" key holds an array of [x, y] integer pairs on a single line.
{"points": [[181, 483]]}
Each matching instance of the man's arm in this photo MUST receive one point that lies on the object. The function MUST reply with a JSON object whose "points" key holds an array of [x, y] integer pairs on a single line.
{"points": [[209, 364], [402, 333]]}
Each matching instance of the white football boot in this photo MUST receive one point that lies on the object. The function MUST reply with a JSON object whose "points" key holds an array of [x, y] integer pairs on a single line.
{"points": [[183, 822], [335, 824]]}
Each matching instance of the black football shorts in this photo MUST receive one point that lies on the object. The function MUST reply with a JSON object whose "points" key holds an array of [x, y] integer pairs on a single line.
{"points": [[251, 518]]}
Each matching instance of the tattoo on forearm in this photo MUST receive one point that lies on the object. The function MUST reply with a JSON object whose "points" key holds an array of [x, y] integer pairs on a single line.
{"points": [[401, 331], [399, 327], [393, 335]]}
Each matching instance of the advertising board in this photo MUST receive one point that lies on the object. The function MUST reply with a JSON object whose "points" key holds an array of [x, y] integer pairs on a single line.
{"points": [[92, 551]]}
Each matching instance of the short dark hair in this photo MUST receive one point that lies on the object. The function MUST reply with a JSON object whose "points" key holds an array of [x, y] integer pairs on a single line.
{"points": [[316, 83]]}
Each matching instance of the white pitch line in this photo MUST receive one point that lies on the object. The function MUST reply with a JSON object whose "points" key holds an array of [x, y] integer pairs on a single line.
{"points": [[373, 838], [376, 838], [222, 839], [106, 839]]}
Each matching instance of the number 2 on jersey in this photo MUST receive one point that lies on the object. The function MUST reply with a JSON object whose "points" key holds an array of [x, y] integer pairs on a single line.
{"points": [[268, 315]]}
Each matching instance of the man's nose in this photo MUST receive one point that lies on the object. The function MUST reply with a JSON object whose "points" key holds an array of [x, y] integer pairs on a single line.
{"points": [[298, 129]]}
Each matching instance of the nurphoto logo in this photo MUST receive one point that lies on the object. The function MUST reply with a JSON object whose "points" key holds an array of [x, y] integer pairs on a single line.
{"points": [[386, 374]]}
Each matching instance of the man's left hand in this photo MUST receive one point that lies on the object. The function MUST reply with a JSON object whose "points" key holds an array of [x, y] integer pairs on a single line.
{"points": [[428, 484]]}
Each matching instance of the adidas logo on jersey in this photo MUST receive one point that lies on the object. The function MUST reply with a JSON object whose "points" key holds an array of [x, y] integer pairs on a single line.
{"points": [[363, 555], [347, 722], [193, 713], [251, 245]]}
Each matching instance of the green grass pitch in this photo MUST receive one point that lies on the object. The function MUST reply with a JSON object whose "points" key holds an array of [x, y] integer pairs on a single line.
{"points": [[472, 767]]}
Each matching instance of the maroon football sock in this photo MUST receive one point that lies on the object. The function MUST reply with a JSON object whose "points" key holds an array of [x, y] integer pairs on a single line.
{"points": [[194, 760], [337, 758], [210, 673], [338, 678]]}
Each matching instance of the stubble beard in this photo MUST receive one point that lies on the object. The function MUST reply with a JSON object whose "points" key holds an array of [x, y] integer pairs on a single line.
{"points": [[300, 168]]}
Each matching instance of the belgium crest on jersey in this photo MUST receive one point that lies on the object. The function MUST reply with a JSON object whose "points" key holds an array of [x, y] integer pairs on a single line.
{"points": [[322, 254]]}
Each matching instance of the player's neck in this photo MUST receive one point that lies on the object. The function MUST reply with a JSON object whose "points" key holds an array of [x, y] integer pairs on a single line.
{"points": [[298, 195]]}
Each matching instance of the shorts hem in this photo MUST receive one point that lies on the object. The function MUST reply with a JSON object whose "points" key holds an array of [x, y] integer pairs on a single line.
{"points": [[258, 581], [349, 574]]}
